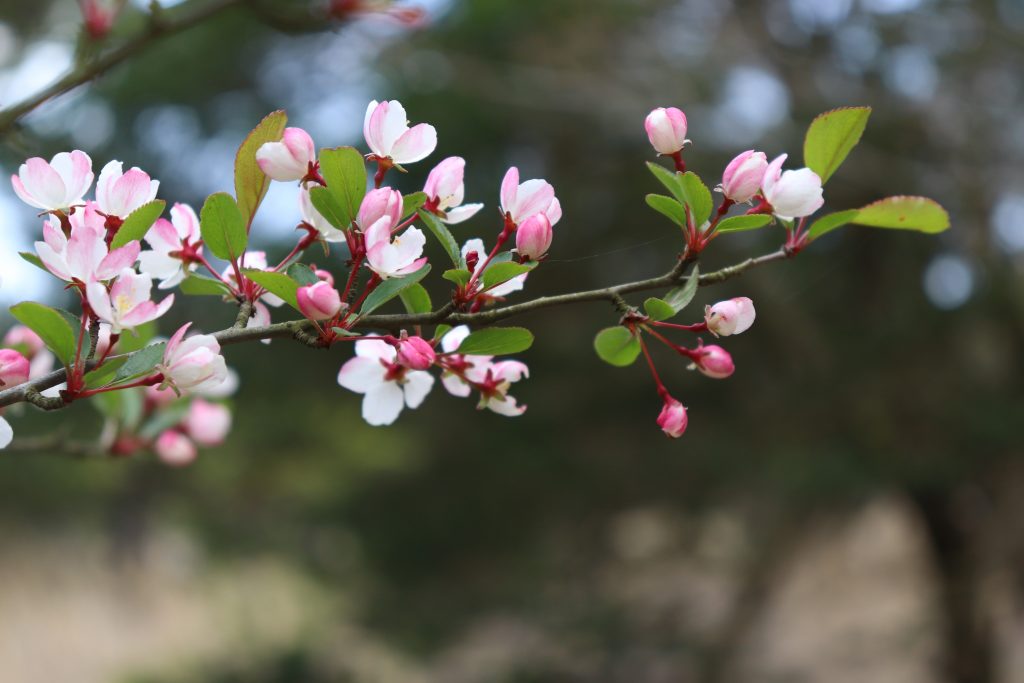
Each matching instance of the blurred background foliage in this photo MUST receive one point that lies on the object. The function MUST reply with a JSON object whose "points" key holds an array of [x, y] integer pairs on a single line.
{"points": [[884, 368]]}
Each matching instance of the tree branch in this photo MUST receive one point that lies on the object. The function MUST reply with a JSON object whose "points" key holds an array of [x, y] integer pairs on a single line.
{"points": [[235, 335]]}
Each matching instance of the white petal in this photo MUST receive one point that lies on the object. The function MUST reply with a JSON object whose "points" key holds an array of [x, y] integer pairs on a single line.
{"points": [[361, 374], [6, 433], [417, 385], [382, 404]]}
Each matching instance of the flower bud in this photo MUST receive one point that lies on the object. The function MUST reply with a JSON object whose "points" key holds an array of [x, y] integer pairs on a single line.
{"points": [[14, 368], [193, 364], [289, 159], [175, 449], [533, 237], [24, 340], [207, 423], [715, 362], [666, 129], [377, 204], [416, 353], [793, 194], [742, 177], [672, 418], [730, 317], [318, 301], [324, 275]]}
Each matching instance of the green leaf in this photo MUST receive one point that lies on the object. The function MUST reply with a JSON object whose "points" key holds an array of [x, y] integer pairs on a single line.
{"points": [[741, 223], [416, 299], [698, 197], [33, 259], [673, 182], [277, 284], [668, 207], [138, 223], [441, 330], [142, 362], [680, 297], [459, 276], [657, 309], [251, 184], [102, 375], [496, 341], [328, 207], [50, 325], [830, 138], [830, 222], [137, 338], [200, 285], [390, 288], [904, 213], [617, 346], [223, 226], [412, 202], [345, 172], [443, 236], [302, 274], [497, 273]]}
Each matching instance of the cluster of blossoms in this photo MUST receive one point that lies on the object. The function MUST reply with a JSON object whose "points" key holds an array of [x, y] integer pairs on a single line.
{"points": [[111, 249]]}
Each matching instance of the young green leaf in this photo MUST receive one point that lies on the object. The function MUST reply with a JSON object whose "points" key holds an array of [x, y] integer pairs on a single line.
{"points": [[830, 138], [459, 276], [250, 182], [223, 227], [138, 223], [680, 297], [657, 309], [33, 259], [412, 202], [698, 197], [390, 288], [51, 327], [441, 330], [742, 223], [302, 274], [443, 236], [102, 375], [200, 285], [668, 207], [617, 346], [345, 172], [416, 299], [830, 222], [496, 341], [142, 362], [497, 273], [904, 213], [328, 207], [673, 182], [277, 284]]}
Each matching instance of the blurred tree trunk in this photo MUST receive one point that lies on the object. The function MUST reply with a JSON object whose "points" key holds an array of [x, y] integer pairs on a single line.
{"points": [[967, 646]]}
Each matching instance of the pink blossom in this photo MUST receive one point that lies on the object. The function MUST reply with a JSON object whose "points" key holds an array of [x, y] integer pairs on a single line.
{"points": [[383, 204], [394, 257], [253, 260], [55, 185], [793, 194], [313, 217], [742, 177], [491, 379], [505, 288], [207, 423], [168, 237], [495, 385], [416, 353], [85, 256], [388, 134], [175, 449], [672, 418], [666, 129], [521, 200], [193, 364], [324, 275], [533, 237], [288, 159], [385, 384], [473, 369], [99, 16], [730, 317], [714, 361], [128, 302], [445, 189], [14, 368], [119, 192], [318, 301]]}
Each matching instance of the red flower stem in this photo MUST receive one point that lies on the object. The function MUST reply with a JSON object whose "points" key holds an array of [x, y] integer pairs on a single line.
{"points": [[144, 382], [696, 327], [654, 372]]}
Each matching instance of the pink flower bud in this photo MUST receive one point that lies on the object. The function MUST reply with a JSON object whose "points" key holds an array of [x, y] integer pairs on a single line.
{"points": [[533, 237], [175, 449], [25, 340], [715, 362], [730, 317], [193, 364], [666, 129], [672, 418], [289, 159], [793, 194], [14, 368], [378, 204], [324, 275], [207, 423], [416, 353], [119, 192], [742, 177], [319, 301]]}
